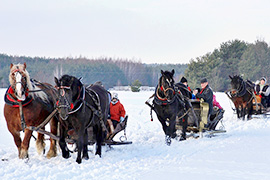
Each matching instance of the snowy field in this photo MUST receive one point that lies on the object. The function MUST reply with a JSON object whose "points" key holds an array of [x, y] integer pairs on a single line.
{"points": [[241, 153]]}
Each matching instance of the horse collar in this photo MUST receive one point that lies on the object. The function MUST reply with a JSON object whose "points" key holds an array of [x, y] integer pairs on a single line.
{"points": [[161, 88], [10, 100]]}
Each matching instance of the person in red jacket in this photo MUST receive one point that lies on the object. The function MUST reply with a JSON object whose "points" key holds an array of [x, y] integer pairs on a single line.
{"points": [[117, 112]]}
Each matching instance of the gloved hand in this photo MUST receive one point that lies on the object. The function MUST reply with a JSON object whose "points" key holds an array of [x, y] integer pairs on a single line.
{"points": [[122, 119]]}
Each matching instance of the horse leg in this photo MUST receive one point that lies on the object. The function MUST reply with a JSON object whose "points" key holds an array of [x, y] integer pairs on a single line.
{"points": [[53, 151], [250, 109], [168, 140], [99, 138], [163, 123], [17, 139], [244, 112], [40, 145], [184, 127], [25, 144], [79, 144], [238, 112], [85, 149], [62, 142]]}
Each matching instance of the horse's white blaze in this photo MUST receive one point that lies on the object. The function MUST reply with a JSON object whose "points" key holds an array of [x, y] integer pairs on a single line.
{"points": [[18, 89]]}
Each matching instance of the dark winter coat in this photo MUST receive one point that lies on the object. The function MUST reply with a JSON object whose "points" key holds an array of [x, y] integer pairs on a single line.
{"points": [[184, 90], [207, 95], [264, 90]]}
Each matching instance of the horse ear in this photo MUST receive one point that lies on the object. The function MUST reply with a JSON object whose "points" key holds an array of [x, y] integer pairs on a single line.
{"points": [[56, 81], [173, 72], [161, 72], [24, 66], [230, 76], [11, 65]]}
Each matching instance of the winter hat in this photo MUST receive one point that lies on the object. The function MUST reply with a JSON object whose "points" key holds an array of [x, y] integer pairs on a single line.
{"points": [[114, 96], [183, 80], [203, 80], [263, 78]]}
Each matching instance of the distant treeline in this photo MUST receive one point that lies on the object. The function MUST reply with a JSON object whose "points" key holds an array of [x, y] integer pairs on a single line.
{"points": [[110, 72], [251, 61]]}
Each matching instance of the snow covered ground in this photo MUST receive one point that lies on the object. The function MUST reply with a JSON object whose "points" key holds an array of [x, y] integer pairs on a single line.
{"points": [[241, 153]]}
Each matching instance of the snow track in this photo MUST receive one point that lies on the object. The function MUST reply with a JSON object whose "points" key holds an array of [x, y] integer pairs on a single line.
{"points": [[241, 153]]}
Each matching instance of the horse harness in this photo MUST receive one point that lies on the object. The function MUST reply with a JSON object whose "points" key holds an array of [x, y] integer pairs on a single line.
{"points": [[164, 101], [241, 91], [80, 102]]}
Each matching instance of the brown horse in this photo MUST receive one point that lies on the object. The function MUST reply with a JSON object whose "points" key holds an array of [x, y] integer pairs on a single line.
{"points": [[36, 103], [242, 94]]}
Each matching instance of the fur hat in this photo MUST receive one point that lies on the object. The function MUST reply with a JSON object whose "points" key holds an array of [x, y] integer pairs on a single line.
{"points": [[203, 80], [183, 80]]}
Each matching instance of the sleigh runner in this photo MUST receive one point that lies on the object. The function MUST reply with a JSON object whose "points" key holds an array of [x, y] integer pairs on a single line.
{"points": [[109, 141]]}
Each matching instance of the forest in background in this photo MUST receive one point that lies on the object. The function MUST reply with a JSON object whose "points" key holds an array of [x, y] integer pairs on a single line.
{"points": [[111, 72], [249, 60], [236, 57]]}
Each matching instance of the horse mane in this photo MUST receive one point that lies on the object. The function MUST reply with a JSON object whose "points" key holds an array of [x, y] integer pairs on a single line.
{"points": [[169, 75], [38, 93], [237, 77]]}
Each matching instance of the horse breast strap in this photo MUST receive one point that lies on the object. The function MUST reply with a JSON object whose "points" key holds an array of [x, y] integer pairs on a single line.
{"points": [[14, 102], [80, 99]]}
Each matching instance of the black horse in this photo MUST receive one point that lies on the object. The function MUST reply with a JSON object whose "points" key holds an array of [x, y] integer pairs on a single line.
{"points": [[241, 94], [79, 108], [170, 108]]}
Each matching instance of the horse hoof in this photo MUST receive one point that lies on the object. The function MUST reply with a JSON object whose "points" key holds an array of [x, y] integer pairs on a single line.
{"points": [[98, 153], [182, 138], [23, 154], [79, 161], [65, 155], [168, 141], [85, 156], [40, 145], [51, 154]]}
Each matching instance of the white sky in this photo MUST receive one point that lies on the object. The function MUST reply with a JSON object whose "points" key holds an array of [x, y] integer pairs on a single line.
{"points": [[150, 31]]}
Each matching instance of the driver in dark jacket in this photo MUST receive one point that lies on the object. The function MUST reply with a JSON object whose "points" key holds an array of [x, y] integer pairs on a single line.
{"points": [[206, 94]]}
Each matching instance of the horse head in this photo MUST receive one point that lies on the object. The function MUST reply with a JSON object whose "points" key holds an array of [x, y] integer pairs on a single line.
{"points": [[237, 84], [166, 85], [69, 88], [19, 80]]}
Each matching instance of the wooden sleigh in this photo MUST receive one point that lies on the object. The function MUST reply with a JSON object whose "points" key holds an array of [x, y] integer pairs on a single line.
{"points": [[258, 108], [198, 118]]}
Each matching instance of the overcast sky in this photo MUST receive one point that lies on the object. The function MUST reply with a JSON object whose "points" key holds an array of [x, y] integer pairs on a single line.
{"points": [[150, 31]]}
